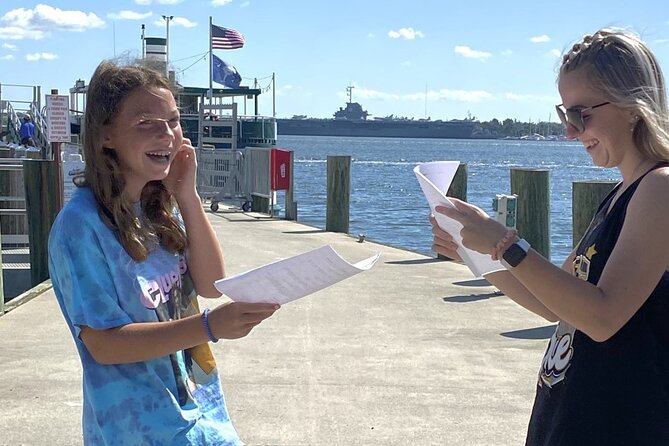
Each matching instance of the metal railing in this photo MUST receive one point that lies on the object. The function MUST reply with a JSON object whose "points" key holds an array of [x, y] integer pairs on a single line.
{"points": [[14, 109], [12, 207]]}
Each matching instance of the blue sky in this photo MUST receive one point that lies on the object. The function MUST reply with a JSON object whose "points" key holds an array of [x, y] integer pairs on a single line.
{"points": [[435, 58]]}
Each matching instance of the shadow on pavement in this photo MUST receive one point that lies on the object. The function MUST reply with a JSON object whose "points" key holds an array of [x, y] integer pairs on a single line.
{"points": [[544, 332], [470, 297]]}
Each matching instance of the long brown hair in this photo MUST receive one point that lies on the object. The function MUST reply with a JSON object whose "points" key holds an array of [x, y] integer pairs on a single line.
{"points": [[109, 86]]}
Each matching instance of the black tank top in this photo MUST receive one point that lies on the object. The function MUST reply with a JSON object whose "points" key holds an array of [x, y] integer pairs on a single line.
{"points": [[614, 392]]}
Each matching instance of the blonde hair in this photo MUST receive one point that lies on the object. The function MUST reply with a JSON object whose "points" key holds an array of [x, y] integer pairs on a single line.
{"points": [[109, 86], [622, 67]]}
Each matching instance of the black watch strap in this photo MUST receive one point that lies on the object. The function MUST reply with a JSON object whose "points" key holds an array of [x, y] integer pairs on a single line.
{"points": [[515, 253]]}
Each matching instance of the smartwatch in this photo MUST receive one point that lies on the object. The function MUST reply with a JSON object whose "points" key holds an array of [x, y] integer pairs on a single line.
{"points": [[515, 254]]}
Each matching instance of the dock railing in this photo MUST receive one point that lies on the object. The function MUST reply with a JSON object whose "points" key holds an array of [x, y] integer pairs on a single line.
{"points": [[13, 217]]}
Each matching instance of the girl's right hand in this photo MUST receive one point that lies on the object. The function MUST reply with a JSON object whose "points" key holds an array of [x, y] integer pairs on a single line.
{"points": [[236, 319], [442, 242]]}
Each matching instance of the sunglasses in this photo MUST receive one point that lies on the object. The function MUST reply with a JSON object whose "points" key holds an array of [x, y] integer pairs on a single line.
{"points": [[574, 116]]}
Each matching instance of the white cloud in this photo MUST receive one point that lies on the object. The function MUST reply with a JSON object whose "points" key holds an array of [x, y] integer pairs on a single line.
{"points": [[37, 23], [176, 21], [182, 21], [457, 95], [32, 57], [366, 93], [470, 53], [507, 53], [157, 2], [7, 57], [9, 46], [129, 15], [283, 90], [405, 33], [19, 33], [245, 5], [216, 3], [529, 98], [406, 63], [451, 95], [540, 39], [555, 52]]}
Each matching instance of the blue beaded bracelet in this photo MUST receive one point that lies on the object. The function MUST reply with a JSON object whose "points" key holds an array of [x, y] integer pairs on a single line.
{"points": [[207, 328]]}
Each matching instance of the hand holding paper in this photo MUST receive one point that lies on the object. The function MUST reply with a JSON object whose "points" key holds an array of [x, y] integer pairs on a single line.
{"points": [[434, 179], [292, 278]]}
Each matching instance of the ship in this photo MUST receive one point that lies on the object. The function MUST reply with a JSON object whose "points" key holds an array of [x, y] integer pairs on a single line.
{"points": [[352, 121]]}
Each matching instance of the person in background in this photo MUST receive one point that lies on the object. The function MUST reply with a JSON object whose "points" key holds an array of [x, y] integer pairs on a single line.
{"points": [[27, 131], [604, 379], [128, 255]]}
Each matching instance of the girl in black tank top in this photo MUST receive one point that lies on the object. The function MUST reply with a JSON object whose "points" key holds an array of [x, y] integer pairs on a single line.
{"points": [[612, 392], [604, 379]]}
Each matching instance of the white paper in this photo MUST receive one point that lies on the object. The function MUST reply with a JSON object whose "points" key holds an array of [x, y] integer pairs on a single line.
{"points": [[292, 278], [435, 178]]}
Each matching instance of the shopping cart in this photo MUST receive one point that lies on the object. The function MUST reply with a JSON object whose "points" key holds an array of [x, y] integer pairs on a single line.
{"points": [[221, 174]]}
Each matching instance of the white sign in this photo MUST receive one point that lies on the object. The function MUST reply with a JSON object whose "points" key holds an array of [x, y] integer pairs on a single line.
{"points": [[73, 166], [58, 118]]}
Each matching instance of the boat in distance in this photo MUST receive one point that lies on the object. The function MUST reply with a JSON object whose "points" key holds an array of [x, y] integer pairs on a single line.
{"points": [[352, 121]]}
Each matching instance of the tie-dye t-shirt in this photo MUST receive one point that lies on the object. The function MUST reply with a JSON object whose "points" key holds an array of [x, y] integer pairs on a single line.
{"points": [[170, 400]]}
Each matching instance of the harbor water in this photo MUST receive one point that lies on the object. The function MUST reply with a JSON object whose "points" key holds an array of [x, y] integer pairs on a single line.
{"points": [[387, 204]]}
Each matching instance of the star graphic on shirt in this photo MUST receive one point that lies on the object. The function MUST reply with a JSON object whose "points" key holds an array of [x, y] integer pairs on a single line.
{"points": [[590, 252]]}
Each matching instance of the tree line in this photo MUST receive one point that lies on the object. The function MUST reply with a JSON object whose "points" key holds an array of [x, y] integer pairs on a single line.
{"points": [[513, 128]]}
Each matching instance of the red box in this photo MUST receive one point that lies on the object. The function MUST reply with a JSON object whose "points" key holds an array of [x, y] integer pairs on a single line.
{"points": [[280, 169]]}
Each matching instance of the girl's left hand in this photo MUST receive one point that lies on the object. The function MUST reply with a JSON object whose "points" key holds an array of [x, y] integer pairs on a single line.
{"points": [[479, 232], [181, 180]]}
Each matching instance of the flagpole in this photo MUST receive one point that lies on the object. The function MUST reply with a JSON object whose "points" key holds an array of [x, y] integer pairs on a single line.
{"points": [[273, 96], [143, 46], [211, 61]]}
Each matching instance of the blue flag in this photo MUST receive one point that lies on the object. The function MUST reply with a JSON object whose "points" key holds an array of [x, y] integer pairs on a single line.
{"points": [[224, 74]]}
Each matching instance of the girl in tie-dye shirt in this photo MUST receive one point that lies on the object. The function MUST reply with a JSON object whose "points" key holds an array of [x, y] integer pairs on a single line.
{"points": [[128, 256]]}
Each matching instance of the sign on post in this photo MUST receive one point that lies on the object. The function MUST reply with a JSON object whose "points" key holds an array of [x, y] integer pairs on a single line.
{"points": [[72, 166], [58, 118]]}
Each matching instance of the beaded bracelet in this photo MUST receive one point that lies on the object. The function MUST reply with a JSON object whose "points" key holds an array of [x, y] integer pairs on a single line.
{"points": [[499, 248], [207, 328]]}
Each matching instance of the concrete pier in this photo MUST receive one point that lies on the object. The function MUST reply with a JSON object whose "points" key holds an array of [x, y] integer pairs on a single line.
{"points": [[415, 351]]}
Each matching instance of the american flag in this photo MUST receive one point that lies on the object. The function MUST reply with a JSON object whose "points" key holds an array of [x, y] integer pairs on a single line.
{"points": [[225, 39]]}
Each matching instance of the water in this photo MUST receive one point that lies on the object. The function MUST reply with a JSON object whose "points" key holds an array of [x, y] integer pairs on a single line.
{"points": [[387, 204]]}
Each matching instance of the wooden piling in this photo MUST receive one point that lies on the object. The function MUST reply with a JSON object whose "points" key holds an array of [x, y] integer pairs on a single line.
{"points": [[2, 285], [585, 199], [458, 188], [260, 204], [533, 212], [291, 205], [338, 193], [41, 208]]}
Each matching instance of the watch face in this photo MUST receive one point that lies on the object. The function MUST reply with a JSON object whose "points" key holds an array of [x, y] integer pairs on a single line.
{"points": [[514, 255]]}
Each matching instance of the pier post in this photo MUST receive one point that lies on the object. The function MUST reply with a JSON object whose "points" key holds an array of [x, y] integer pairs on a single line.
{"points": [[291, 205], [585, 199], [2, 285], [41, 209], [338, 193], [458, 188], [533, 211]]}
